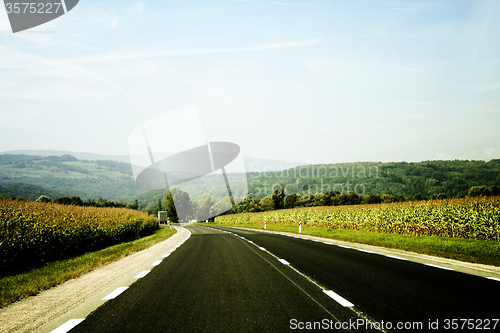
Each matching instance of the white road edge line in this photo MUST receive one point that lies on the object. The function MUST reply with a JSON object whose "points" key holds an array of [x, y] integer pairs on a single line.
{"points": [[493, 278], [141, 274], [156, 263], [365, 251], [262, 248], [431, 265], [115, 293], [67, 326], [339, 299], [283, 261], [395, 257], [165, 255]]}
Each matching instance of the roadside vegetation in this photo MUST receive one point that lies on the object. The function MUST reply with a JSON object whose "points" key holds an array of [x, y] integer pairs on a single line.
{"points": [[466, 229], [16, 287], [35, 233]]}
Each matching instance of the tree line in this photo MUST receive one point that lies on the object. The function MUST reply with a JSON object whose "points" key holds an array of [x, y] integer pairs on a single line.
{"points": [[189, 209], [77, 201]]}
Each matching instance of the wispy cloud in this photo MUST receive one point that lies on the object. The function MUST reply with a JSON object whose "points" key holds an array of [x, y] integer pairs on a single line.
{"points": [[179, 52], [489, 86], [404, 68], [283, 3], [50, 78], [480, 39], [413, 7]]}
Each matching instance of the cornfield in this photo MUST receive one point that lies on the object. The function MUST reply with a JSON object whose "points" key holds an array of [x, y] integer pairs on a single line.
{"points": [[471, 218], [33, 233]]}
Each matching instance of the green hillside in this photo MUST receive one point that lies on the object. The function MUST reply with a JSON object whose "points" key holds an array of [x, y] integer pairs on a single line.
{"points": [[452, 178], [66, 175]]}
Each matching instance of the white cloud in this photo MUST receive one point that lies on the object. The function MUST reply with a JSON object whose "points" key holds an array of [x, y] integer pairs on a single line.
{"points": [[178, 52], [486, 154], [135, 8], [31, 76], [489, 86], [283, 3]]}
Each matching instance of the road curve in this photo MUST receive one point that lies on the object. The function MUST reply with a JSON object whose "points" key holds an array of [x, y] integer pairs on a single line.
{"points": [[229, 280]]}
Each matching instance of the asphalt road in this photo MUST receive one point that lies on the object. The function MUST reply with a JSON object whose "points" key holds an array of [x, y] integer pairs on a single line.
{"points": [[241, 282]]}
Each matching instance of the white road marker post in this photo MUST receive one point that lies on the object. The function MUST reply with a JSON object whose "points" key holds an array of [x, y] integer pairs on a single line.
{"points": [[264, 225], [300, 227]]}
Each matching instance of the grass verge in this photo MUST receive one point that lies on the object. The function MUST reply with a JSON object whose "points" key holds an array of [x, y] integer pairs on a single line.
{"points": [[470, 250], [16, 287]]}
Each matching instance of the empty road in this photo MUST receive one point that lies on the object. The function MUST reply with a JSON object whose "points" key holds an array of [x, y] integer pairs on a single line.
{"points": [[232, 280]]}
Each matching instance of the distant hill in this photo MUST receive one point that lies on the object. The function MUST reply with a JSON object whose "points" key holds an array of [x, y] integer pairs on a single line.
{"points": [[68, 176], [27, 191], [452, 178], [252, 164], [65, 175], [78, 155]]}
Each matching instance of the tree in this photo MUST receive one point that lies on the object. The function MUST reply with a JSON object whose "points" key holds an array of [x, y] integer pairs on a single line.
{"points": [[43, 198], [321, 199], [478, 191], [63, 201], [220, 207], [76, 201], [266, 204], [495, 190], [177, 205], [169, 206], [373, 199], [278, 198], [291, 201], [204, 205]]}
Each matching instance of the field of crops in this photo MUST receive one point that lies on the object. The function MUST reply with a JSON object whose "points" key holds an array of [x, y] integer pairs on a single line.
{"points": [[33, 233], [471, 218]]}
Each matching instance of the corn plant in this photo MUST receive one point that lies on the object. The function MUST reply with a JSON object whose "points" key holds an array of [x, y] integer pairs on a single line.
{"points": [[471, 218], [33, 233]]}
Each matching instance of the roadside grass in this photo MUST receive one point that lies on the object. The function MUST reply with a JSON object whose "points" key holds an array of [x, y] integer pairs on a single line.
{"points": [[470, 250], [16, 287]]}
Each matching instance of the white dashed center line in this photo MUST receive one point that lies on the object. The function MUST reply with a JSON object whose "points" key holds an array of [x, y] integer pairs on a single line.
{"points": [[339, 299], [156, 263], [283, 261], [115, 293], [67, 326], [141, 274]]}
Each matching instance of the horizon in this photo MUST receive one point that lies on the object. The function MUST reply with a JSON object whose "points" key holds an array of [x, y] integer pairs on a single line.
{"points": [[68, 152]]}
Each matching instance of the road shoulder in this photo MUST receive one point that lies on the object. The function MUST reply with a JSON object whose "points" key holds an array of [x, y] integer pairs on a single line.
{"points": [[78, 297]]}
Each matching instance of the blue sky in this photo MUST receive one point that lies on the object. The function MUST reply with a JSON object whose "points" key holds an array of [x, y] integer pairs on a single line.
{"points": [[307, 81]]}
